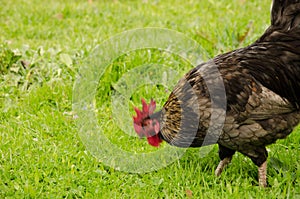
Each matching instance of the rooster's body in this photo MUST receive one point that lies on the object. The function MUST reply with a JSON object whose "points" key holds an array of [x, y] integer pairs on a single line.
{"points": [[256, 103]]}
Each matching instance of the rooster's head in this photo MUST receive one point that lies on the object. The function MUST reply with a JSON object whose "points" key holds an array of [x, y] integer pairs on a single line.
{"points": [[145, 126]]}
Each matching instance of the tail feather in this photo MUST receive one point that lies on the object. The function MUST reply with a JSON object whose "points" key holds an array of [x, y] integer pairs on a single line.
{"points": [[279, 66], [285, 14]]}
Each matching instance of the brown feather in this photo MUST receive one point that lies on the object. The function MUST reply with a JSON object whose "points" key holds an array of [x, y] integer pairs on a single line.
{"points": [[262, 98]]}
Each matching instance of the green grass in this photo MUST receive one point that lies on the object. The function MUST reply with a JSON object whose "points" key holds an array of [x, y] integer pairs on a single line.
{"points": [[41, 152]]}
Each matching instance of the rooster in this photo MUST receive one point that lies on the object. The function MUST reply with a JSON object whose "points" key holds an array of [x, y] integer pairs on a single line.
{"points": [[259, 105]]}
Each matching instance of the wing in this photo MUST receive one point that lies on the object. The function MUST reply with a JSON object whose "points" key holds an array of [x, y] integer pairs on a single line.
{"points": [[275, 63], [260, 80]]}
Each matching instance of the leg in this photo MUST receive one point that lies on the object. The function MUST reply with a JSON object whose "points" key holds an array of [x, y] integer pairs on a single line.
{"points": [[262, 174], [225, 155], [261, 161]]}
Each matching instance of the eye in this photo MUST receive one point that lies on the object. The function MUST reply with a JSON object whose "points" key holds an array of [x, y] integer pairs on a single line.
{"points": [[146, 123]]}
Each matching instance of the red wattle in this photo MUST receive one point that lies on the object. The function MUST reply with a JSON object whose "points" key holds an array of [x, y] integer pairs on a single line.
{"points": [[154, 140]]}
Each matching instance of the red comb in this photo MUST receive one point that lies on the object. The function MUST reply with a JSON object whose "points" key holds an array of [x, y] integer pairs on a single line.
{"points": [[146, 111]]}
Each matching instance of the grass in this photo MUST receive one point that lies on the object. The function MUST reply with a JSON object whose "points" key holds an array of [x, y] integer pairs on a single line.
{"points": [[43, 45]]}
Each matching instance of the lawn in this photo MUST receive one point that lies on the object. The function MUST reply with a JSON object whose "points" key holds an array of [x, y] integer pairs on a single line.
{"points": [[52, 146]]}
